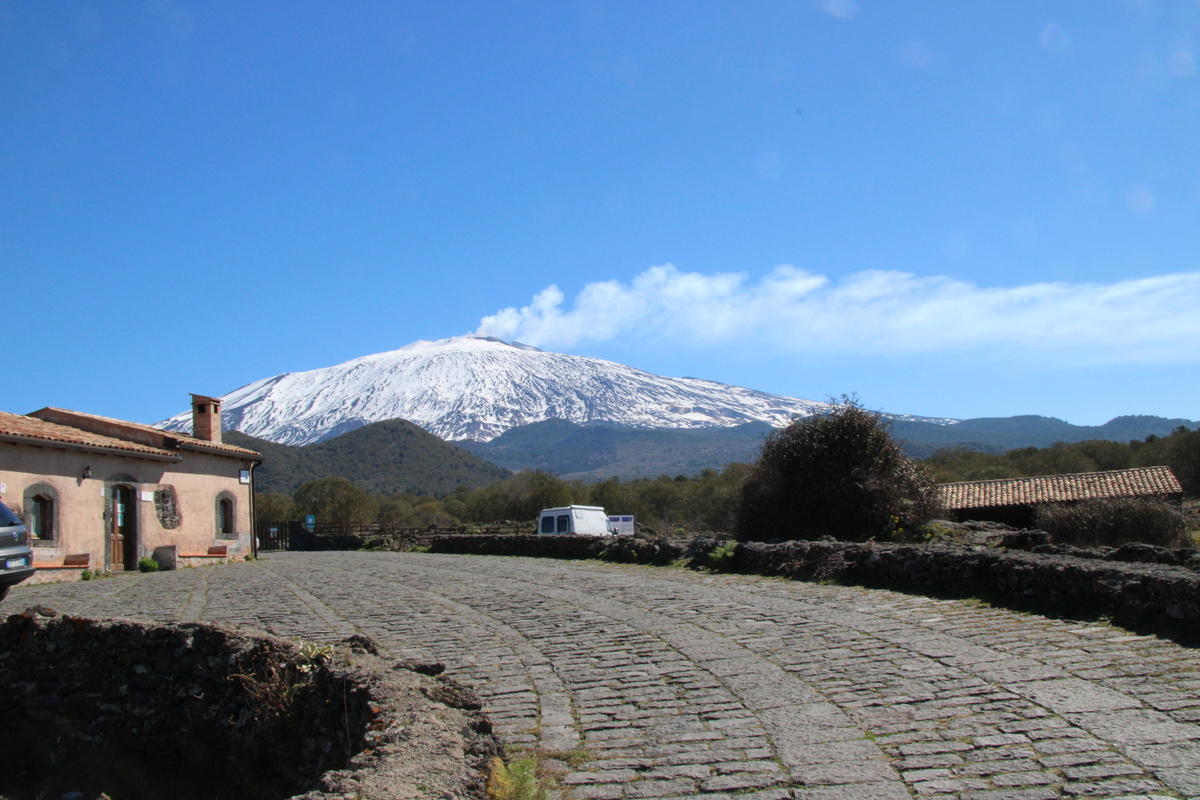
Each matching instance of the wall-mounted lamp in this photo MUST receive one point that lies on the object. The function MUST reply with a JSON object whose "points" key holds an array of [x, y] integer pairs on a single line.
{"points": [[87, 472]]}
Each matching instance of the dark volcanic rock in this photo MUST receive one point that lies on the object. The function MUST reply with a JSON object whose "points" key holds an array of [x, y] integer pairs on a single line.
{"points": [[199, 711], [1055, 580]]}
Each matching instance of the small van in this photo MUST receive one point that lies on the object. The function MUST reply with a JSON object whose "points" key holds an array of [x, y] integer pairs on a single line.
{"points": [[583, 520]]}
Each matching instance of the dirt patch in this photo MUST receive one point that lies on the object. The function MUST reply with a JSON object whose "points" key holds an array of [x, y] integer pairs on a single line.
{"points": [[135, 710]]}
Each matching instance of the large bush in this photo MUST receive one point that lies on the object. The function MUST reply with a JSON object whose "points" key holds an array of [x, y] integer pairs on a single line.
{"points": [[1113, 522], [838, 473]]}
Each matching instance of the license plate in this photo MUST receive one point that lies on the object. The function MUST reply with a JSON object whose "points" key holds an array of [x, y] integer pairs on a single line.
{"points": [[13, 563]]}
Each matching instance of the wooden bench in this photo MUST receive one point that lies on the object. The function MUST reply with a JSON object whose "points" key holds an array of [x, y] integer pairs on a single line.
{"points": [[74, 561], [216, 551]]}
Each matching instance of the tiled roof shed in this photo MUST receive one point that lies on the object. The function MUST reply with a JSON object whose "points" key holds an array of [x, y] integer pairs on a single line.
{"points": [[1029, 492]]}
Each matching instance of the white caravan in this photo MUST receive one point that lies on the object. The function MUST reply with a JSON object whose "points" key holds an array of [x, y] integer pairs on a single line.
{"points": [[583, 520], [623, 524]]}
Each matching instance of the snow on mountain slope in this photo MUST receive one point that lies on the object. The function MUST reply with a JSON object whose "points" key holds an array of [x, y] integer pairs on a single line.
{"points": [[473, 387]]}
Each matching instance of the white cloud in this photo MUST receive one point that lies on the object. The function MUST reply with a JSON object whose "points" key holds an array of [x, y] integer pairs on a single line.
{"points": [[876, 312], [842, 9]]}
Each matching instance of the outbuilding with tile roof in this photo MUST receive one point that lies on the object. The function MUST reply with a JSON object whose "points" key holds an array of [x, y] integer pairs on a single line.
{"points": [[101, 494], [1015, 500]]}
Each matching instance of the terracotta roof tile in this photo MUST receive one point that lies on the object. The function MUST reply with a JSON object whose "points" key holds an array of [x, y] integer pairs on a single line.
{"points": [[1060, 488], [143, 434], [18, 426]]}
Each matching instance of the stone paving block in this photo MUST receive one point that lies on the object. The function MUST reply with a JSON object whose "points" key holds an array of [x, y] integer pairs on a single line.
{"points": [[609, 791], [1173, 754], [1070, 695], [742, 781], [890, 790], [1008, 793], [994, 767], [929, 748], [844, 772], [1074, 745], [1112, 789], [828, 752], [1026, 779], [660, 788], [1099, 771], [948, 785], [601, 776], [725, 767], [1185, 777], [925, 762], [1135, 726]]}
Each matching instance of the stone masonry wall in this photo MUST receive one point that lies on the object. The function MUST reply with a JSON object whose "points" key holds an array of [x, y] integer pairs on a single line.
{"points": [[1131, 585]]}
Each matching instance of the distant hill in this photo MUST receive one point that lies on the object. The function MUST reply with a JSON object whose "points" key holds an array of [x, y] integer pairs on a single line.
{"points": [[390, 456], [596, 452], [1000, 434]]}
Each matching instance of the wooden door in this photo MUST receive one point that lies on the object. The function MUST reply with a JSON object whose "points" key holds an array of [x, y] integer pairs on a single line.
{"points": [[121, 534]]}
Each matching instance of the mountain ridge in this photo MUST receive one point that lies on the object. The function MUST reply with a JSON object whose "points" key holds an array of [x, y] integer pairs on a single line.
{"points": [[475, 388]]}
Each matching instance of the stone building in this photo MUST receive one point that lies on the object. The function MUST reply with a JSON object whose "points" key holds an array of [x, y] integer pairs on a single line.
{"points": [[1014, 501], [101, 494]]}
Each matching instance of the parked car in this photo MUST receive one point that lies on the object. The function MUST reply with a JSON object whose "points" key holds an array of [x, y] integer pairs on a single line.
{"points": [[16, 559]]}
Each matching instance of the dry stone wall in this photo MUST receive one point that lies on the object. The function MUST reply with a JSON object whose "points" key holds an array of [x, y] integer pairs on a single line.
{"points": [[1137, 586]]}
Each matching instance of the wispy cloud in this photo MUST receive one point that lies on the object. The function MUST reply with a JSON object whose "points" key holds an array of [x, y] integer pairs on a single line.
{"points": [[1148, 320], [844, 9]]}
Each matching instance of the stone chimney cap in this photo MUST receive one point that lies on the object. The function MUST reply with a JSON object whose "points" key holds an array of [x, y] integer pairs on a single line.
{"points": [[202, 398]]}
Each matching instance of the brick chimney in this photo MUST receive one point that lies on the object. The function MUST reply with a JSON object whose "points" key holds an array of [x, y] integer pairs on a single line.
{"points": [[206, 418]]}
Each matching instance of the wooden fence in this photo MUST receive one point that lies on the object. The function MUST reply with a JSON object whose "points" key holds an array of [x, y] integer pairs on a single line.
{"points": [[294, 535]]}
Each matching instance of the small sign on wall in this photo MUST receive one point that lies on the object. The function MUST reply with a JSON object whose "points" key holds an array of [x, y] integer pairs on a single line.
{"points": [[244, 476], [147, 497], [3, 488]]}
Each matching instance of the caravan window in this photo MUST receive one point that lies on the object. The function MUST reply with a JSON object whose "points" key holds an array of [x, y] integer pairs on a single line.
{"points": [[548, 524], [564, 523]]}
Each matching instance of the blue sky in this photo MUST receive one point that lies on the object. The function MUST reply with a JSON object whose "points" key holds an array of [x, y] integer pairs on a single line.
{"points": [[951, 209]]}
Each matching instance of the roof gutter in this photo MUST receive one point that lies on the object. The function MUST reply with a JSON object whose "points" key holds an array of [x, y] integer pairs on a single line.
{"points": [[88, 448]]}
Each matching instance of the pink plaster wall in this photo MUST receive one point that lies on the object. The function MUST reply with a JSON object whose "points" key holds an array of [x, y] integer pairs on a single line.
{"points": [[81, 513]]}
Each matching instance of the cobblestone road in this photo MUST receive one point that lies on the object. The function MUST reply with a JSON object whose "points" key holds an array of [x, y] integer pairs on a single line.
{"points": [[685, 684]]}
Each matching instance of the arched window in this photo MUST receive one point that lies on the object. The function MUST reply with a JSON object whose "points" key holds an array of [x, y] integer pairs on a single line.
{"points": [[41, 512], [226, 515], [41, 517]]}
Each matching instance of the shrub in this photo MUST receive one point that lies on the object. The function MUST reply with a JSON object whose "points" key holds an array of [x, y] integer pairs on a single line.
{"points": [[1113, 522], [147, 564], [837, 473]]}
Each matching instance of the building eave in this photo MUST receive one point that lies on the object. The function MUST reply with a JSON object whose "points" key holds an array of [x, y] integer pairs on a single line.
{"points": [[88, 448]]}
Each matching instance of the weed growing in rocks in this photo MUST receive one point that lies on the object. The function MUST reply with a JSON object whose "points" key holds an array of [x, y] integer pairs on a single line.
{"points": [[523, 778], [721, 556]]}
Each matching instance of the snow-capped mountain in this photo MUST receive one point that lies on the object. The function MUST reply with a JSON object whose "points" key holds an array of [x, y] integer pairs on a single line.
{"points": [[472, 387]]}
